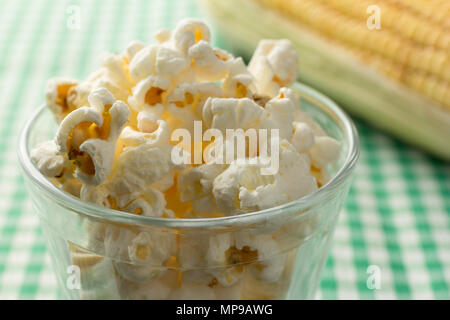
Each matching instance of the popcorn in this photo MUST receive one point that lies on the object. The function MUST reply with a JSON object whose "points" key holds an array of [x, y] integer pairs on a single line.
{"points": [[211, 64], [138, 167], [152, 248], [244, 180], [131, 50], [148, 95], [143, 62], [116, 69], [56, 96], [278, 113], [142, 256], [223, 260], [48, 160], [324, 151], [150, 204], [274, 65], [97, 275], [230, 113], [239, 81], [241, 188], [170, 62], [188, 32], [303, 137], [197, 182], [181, 102], [270, 264], [185, 103], [153, 131], [88, 136], [78, 95], [113, 148]]}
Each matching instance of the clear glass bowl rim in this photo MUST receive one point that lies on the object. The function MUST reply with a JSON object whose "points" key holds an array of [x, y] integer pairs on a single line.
{"points": [[95, 211]]}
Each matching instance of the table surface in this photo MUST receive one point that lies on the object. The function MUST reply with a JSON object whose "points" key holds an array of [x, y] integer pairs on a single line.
{"points": [[396, 221]]}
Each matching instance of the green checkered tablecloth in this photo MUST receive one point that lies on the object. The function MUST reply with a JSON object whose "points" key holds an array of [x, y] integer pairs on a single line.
{"points": [[396, 219]]}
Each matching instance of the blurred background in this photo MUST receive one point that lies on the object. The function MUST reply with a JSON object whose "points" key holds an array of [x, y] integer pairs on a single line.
{"points": [[386, 62]]}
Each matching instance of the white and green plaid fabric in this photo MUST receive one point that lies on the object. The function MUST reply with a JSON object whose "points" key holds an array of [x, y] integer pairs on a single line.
{"points": [[396, 219]]}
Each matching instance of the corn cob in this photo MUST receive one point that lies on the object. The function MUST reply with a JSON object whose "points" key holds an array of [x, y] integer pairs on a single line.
{"points": [[397, 77]]}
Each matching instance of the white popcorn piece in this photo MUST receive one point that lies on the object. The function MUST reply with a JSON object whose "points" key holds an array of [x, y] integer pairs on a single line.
{"points": [[143, 63], [185, 103], [104, 82], [97, 274], [325, 150], [241, 182], [241, 187], [152, 248], [78, 95], [148, 95], [99, 282], [158, 137], [138, 257], [278, 114], [204, 91], [270, 263], [69, 184], [150, 204], [170, 62], [181, 102], [197, 182], [132, 48], [223, 259], [148, 122], [56, 96], [210, 64], [231, 113], [239, 81], [48, 160], [195, 185], [89, 139], [136, 168], [274, 65], [116, 69], [96, 194], [188, 32], [303, 137], [301, 116], [294, 173]]}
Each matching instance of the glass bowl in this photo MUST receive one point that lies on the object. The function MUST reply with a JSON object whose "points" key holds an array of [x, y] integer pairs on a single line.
{"points": [[101, 253]]}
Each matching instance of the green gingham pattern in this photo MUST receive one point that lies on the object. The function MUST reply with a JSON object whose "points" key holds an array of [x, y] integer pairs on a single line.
{"points": [[397, 215]]}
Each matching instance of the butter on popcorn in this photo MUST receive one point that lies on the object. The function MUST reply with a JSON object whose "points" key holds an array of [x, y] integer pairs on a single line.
{"points": [[113, 148]]}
